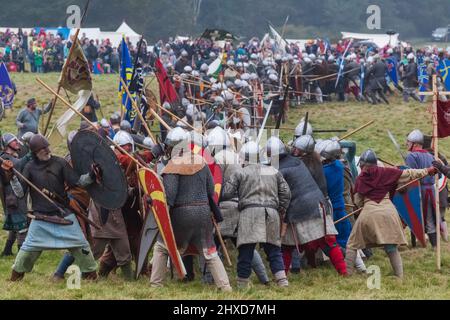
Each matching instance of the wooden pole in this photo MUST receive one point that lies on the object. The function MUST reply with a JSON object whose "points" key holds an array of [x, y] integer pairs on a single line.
{"points": [[136, 108], [178, 118], [85, 119], [356, 130], [436, 156], [63, 72]]}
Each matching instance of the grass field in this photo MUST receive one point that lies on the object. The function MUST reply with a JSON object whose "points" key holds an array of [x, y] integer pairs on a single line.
{"points": [[421, 281]]}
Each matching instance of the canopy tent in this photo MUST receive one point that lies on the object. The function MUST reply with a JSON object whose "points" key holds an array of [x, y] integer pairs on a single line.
{"points": [[380, 40], [126, 30]]}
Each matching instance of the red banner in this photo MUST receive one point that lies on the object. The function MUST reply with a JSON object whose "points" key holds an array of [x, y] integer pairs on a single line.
{"points": [[167, 92], [443, 115]]}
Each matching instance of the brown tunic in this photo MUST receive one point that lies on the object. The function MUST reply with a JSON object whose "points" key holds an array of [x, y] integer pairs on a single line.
{"points": [[379, 223]]}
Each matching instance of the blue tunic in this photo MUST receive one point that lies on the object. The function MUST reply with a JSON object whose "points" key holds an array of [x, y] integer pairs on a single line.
{"points": [[334, 173], [422, 159]]}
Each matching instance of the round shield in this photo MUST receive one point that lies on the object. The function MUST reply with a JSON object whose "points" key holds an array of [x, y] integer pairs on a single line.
{"points": [[88, 148]]}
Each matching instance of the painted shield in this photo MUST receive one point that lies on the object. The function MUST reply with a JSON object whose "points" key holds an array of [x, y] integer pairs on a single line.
{"points": [[154, 188], [409, 207], [214, 168], [88, 148], [148, 236]]}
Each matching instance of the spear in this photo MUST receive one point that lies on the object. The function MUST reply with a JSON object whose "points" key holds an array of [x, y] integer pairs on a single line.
{"points": [[356, 130]]}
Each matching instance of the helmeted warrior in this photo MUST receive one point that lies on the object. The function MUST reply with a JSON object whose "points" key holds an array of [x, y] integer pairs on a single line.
{"points": [[51, 173], [263, 195], [309, 224], [418, 158], [14, 202], [190, 210], [219, 144], [379, 224]]}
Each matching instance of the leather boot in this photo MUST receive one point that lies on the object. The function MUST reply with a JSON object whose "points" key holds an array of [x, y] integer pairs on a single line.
{"points": [[350, 258], [242, 283], [281, 279], [127, 271], [104, 270], [16, 276], [7, 251], [396, 263], [433, 239]]}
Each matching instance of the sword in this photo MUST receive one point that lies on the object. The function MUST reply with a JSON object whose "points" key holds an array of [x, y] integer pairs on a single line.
{"points": [[396, 145]]}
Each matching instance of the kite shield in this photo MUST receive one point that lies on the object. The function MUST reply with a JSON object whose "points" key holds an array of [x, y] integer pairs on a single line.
{"points": [[154, 189]]}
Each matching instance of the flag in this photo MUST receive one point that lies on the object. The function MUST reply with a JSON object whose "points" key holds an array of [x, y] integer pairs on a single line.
{"points": [[392, 69], [280, 42], [126, 72], [215, 67], [77, 76], [443, 115], [6, 87], [423, 77], [76, 79], [444, 70], [341, 65], [167, 92]]}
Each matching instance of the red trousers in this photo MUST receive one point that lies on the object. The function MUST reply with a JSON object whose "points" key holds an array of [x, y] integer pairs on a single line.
{"points": [[327, 244]]}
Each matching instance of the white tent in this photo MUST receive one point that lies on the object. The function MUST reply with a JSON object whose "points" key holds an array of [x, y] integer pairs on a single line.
{"points": [[126, 30], [380, 40]]}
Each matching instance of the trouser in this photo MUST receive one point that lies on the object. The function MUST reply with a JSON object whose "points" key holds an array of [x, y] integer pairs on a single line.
{"points": [[328, 245], [391, 250], [159, 268], [245, 257], [84, 258], [64, 264], [12, 236], [409, 92], [118, 252]]}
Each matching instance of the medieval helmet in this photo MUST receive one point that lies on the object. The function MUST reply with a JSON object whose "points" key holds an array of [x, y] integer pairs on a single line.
{"points": [[249, 151], [331, 150], [7, 138], [299, 129], [125, 125], [38, 142], [368, 157], [416, 136], [27, 136], [305, 143], [175, 136], [275, 147], [148, 142], [104, 123], [217, 137], [123, 138]]}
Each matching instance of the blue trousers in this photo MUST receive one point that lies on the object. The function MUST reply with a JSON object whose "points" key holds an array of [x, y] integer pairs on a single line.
{"points": [[245, 257]]}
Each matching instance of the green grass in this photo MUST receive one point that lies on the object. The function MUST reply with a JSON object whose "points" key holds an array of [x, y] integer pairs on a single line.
{"points": [[422, 281]]}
